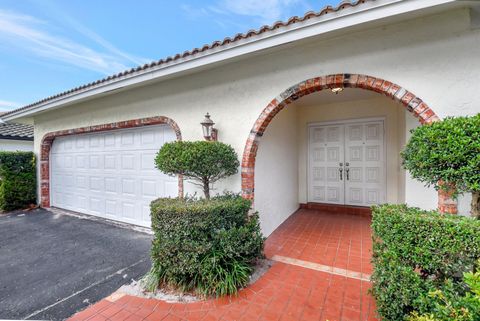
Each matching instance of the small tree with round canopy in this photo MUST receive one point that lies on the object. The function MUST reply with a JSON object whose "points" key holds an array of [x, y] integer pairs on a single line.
{"points": [[203, 162], [445, 154]]}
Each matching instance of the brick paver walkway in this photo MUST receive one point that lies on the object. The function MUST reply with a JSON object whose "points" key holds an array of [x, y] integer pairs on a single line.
{"points": [[321, 272]]}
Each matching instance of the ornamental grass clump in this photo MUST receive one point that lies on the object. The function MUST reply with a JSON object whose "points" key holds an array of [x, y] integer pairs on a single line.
{"points": [[446, 154]]}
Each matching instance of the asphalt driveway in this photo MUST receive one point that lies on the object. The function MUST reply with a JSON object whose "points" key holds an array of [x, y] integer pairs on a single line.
{"points": [[53, 265]]}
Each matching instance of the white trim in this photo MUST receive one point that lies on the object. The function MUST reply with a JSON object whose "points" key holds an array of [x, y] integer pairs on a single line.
{"points": [[345, 18], [383, 119]]}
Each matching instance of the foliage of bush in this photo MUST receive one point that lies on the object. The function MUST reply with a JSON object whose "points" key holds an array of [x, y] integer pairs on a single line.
{"points": [[447, 151], [204, 162], [447, 305], [18, 180], [418, 252], [208, 246]]}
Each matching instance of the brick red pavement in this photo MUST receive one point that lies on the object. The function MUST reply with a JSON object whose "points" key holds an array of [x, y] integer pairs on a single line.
{"points": [[285, 291]]}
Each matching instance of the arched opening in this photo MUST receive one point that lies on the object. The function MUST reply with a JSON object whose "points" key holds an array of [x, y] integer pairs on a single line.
{"points": [[412, 104], [48, 139]]}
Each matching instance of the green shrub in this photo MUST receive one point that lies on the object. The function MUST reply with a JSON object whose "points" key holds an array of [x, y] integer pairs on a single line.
{"points": [[207, 246], [418, 252], [18, 182], [447, 151], [448, 305], [204, 162]]}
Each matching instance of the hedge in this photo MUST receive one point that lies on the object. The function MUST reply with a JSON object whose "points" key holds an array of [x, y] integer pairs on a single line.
{"points": [[18, 182], [417, 253], [205, 246]]}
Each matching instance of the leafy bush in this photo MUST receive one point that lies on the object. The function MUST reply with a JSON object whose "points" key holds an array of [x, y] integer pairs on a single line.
{"points": [[418, 252], [449, 306], [207, 246], [447, 151], [18, 180], [204, 162]]}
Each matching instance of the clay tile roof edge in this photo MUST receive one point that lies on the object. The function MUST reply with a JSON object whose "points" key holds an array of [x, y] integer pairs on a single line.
{"points": [[190, 54]]}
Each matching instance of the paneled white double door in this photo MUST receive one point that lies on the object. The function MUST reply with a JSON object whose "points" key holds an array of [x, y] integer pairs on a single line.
{"points": [[347, 163]]}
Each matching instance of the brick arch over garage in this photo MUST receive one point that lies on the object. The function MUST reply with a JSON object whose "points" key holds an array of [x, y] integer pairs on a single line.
{"points": [[410, 101], [48, 139]]}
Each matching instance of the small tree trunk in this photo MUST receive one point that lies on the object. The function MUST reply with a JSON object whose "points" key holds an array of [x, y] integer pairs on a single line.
{"points": [[475, 205], [206, 188]]}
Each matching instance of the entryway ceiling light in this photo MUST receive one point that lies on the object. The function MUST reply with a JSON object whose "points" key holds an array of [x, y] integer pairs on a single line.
{"points": [[337, 90]]}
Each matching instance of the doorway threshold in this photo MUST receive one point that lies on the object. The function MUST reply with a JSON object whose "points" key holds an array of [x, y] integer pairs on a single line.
{"points": [[340, 209]]}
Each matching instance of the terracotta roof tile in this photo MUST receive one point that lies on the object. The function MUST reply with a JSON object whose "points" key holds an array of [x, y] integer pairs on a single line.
{"points": [[240, 36]]}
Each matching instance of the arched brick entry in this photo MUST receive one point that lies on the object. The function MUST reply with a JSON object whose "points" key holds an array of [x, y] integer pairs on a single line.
{"points": [[48, 139], [412, 103]]}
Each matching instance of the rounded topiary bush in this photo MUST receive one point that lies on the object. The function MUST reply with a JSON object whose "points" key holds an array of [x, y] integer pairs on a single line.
{"points": [[205, 246], [204, 162], [447, 154]]}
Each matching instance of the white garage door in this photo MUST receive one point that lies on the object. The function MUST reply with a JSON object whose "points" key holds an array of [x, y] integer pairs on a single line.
{"points": [[111, 174]]}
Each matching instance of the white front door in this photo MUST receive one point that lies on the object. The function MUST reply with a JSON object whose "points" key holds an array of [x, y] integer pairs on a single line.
{"points": [[347, 163], [111, 174]]}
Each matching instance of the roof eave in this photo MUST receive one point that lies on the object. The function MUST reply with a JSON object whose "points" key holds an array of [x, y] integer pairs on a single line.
{"points": [[22, 138], [369, 12]]}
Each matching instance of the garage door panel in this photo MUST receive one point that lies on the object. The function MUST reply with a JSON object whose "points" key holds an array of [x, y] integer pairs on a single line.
{"points": [[128, 187], [112, 174], [81, 161], [128, 162], [111, 184], [147, 161], [97, 206], [82, 202], [150, 187], [69, 199], [81, 182], [147, 137], [95, 142], [128, 210], [95, 162], [96, 184], [110, 162], [127, 139]]}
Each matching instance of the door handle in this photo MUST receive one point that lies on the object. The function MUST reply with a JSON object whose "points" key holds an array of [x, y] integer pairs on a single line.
{"points": [[341, 171], [347, 172]]}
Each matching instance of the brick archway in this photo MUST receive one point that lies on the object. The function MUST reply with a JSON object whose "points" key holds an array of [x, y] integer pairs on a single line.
{"points": [[411, 102], [48, 139]]}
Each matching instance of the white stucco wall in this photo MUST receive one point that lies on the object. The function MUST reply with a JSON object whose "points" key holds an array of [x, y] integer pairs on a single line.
{"points": [[434, 57], [10, 145], [416, 193], [276, 181], [464, 205]]}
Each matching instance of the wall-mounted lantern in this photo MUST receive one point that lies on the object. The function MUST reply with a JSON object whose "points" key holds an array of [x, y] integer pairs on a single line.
{"points": [[209, 133]]}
